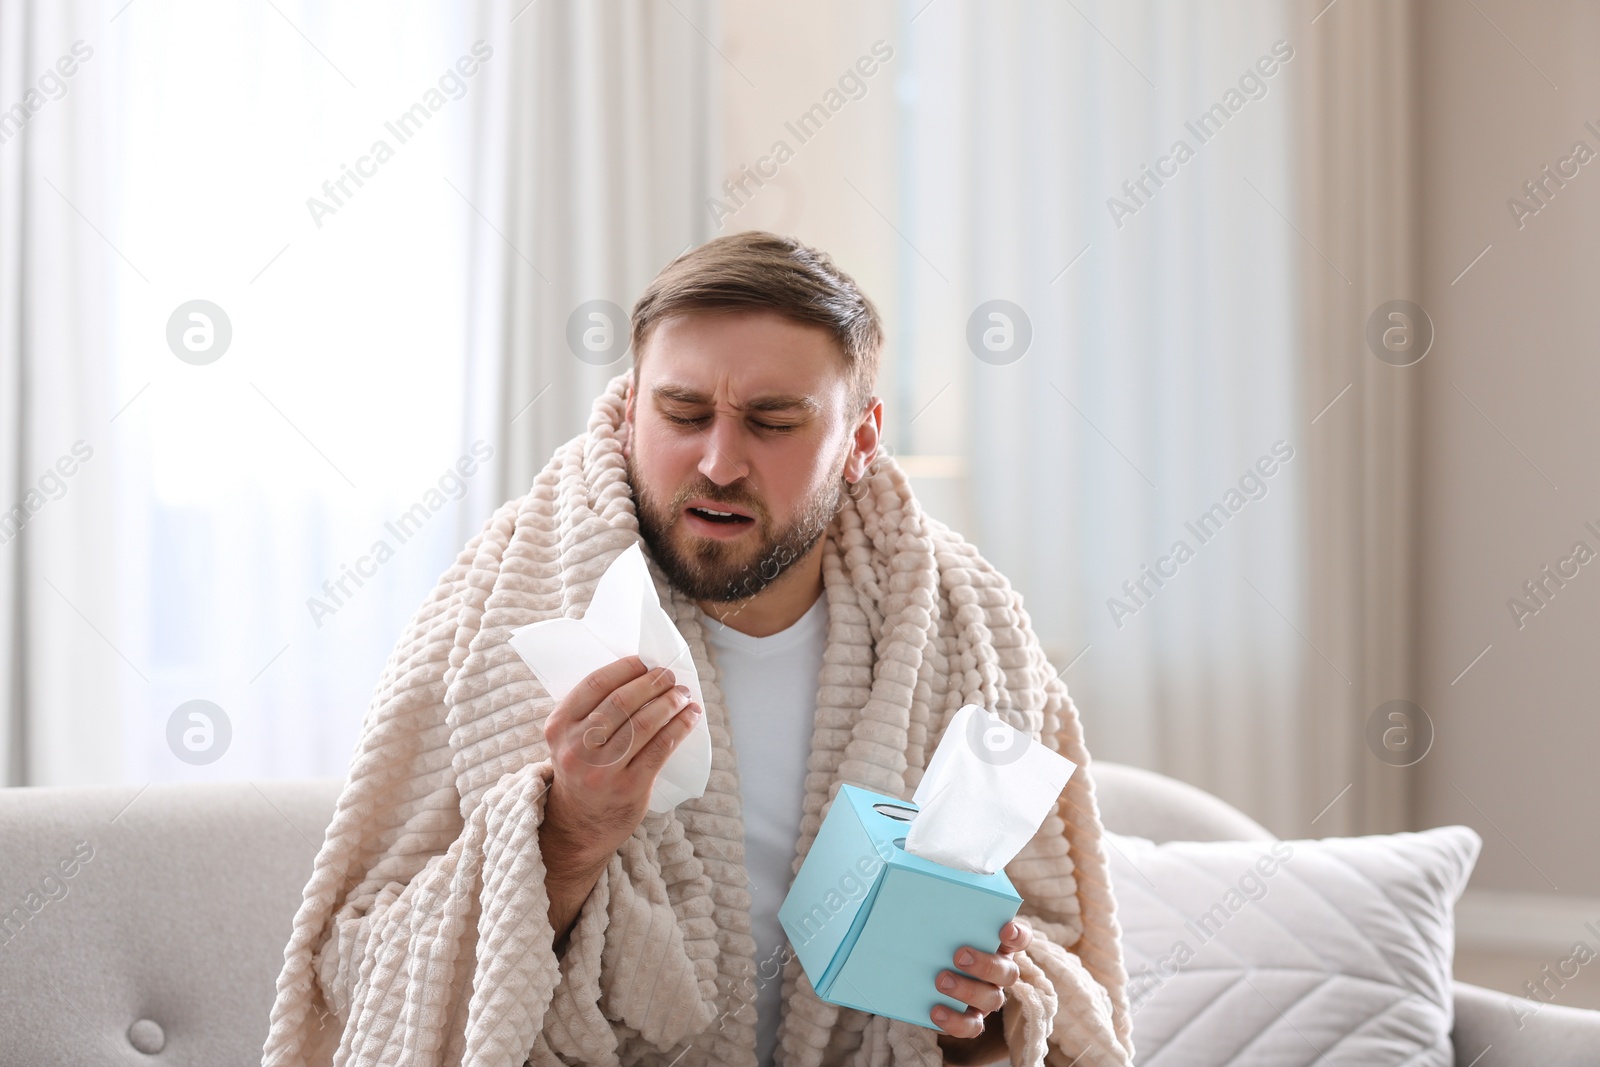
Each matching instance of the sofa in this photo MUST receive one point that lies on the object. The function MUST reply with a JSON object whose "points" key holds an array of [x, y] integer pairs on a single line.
{"points": [[147, 925]]}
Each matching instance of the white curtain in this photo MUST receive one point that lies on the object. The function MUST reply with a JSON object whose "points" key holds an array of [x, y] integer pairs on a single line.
{"points": [[254, 531], [56, 274], [1187, 329], [1162, 364], [443, 315], [592, 149]]}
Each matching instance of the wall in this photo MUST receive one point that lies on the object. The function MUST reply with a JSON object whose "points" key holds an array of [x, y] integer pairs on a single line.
{"points": [[1509, 440]]}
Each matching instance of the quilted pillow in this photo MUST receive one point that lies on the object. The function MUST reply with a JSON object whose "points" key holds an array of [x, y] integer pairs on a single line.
{"points": [[1278, 953]]}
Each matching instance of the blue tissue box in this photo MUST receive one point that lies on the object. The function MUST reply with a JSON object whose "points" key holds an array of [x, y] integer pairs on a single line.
{"points": [[873, 925]]}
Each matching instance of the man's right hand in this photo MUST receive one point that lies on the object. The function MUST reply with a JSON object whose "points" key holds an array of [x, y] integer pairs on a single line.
{"points": [[609, 738]]}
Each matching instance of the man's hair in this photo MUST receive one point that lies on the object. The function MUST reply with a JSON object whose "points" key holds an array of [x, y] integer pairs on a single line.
{"points": [[760, 271]]}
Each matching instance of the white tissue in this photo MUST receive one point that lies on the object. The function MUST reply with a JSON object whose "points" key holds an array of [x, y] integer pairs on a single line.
{"points": [[624, 619], [986, 791]]}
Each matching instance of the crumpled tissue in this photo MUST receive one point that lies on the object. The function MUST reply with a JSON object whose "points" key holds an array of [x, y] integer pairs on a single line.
{"points": [[624, 618]]}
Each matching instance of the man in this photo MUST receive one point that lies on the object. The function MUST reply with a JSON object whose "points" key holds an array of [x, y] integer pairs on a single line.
{"points": [[835, 628]]}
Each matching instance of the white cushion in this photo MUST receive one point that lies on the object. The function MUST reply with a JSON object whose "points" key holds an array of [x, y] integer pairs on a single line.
{"points": [[1268, 953]]}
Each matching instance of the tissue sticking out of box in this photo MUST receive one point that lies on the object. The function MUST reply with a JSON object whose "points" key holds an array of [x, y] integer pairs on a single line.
{"points": [[986, 791], [624, 619]]}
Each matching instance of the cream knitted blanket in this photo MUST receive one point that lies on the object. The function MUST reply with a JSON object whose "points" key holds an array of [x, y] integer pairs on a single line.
{"points": [[423, 936]]}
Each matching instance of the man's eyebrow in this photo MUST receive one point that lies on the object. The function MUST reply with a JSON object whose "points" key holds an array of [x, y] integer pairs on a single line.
{"points": [[766, 402]]}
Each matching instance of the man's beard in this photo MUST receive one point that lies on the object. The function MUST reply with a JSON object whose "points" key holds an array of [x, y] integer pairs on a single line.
{"points": [[722, 571]]}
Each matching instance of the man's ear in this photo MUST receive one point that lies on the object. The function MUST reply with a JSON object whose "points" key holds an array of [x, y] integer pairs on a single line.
{"points": [[864, 446]]}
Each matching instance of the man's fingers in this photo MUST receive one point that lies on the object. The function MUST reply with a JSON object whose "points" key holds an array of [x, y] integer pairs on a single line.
{"points": [[613, 714], [651, 716], [598, 685], [653, 752], [1015, 935], [981, 995], [967, 1024], [992, 967]]}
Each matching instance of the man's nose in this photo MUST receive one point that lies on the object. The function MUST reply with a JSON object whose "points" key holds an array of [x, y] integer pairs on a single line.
{"points": [[723, 459]]}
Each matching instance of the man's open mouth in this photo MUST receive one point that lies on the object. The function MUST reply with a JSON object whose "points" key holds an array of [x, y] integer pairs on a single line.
{"points": [[729, 517]]}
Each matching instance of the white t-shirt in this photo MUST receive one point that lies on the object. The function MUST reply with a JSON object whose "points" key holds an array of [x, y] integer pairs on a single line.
{"points": [[769, 685]]}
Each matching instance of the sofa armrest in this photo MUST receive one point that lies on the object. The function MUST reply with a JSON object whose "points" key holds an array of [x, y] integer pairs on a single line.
{"points": [[1500, 1030]]}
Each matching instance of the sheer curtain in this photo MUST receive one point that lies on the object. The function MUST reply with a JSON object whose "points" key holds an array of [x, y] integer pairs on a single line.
{"points": [[1161, 366], [255, 491], [593, 147], [246, 282], [1129, 288], [253, 531], [56, 397]]}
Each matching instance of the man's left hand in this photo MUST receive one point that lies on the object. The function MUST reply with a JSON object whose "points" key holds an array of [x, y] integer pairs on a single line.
{"points": [[991, 974]]}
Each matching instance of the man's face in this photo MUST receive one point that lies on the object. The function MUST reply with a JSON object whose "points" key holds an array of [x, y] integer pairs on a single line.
{"points": [[742, 412]]}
